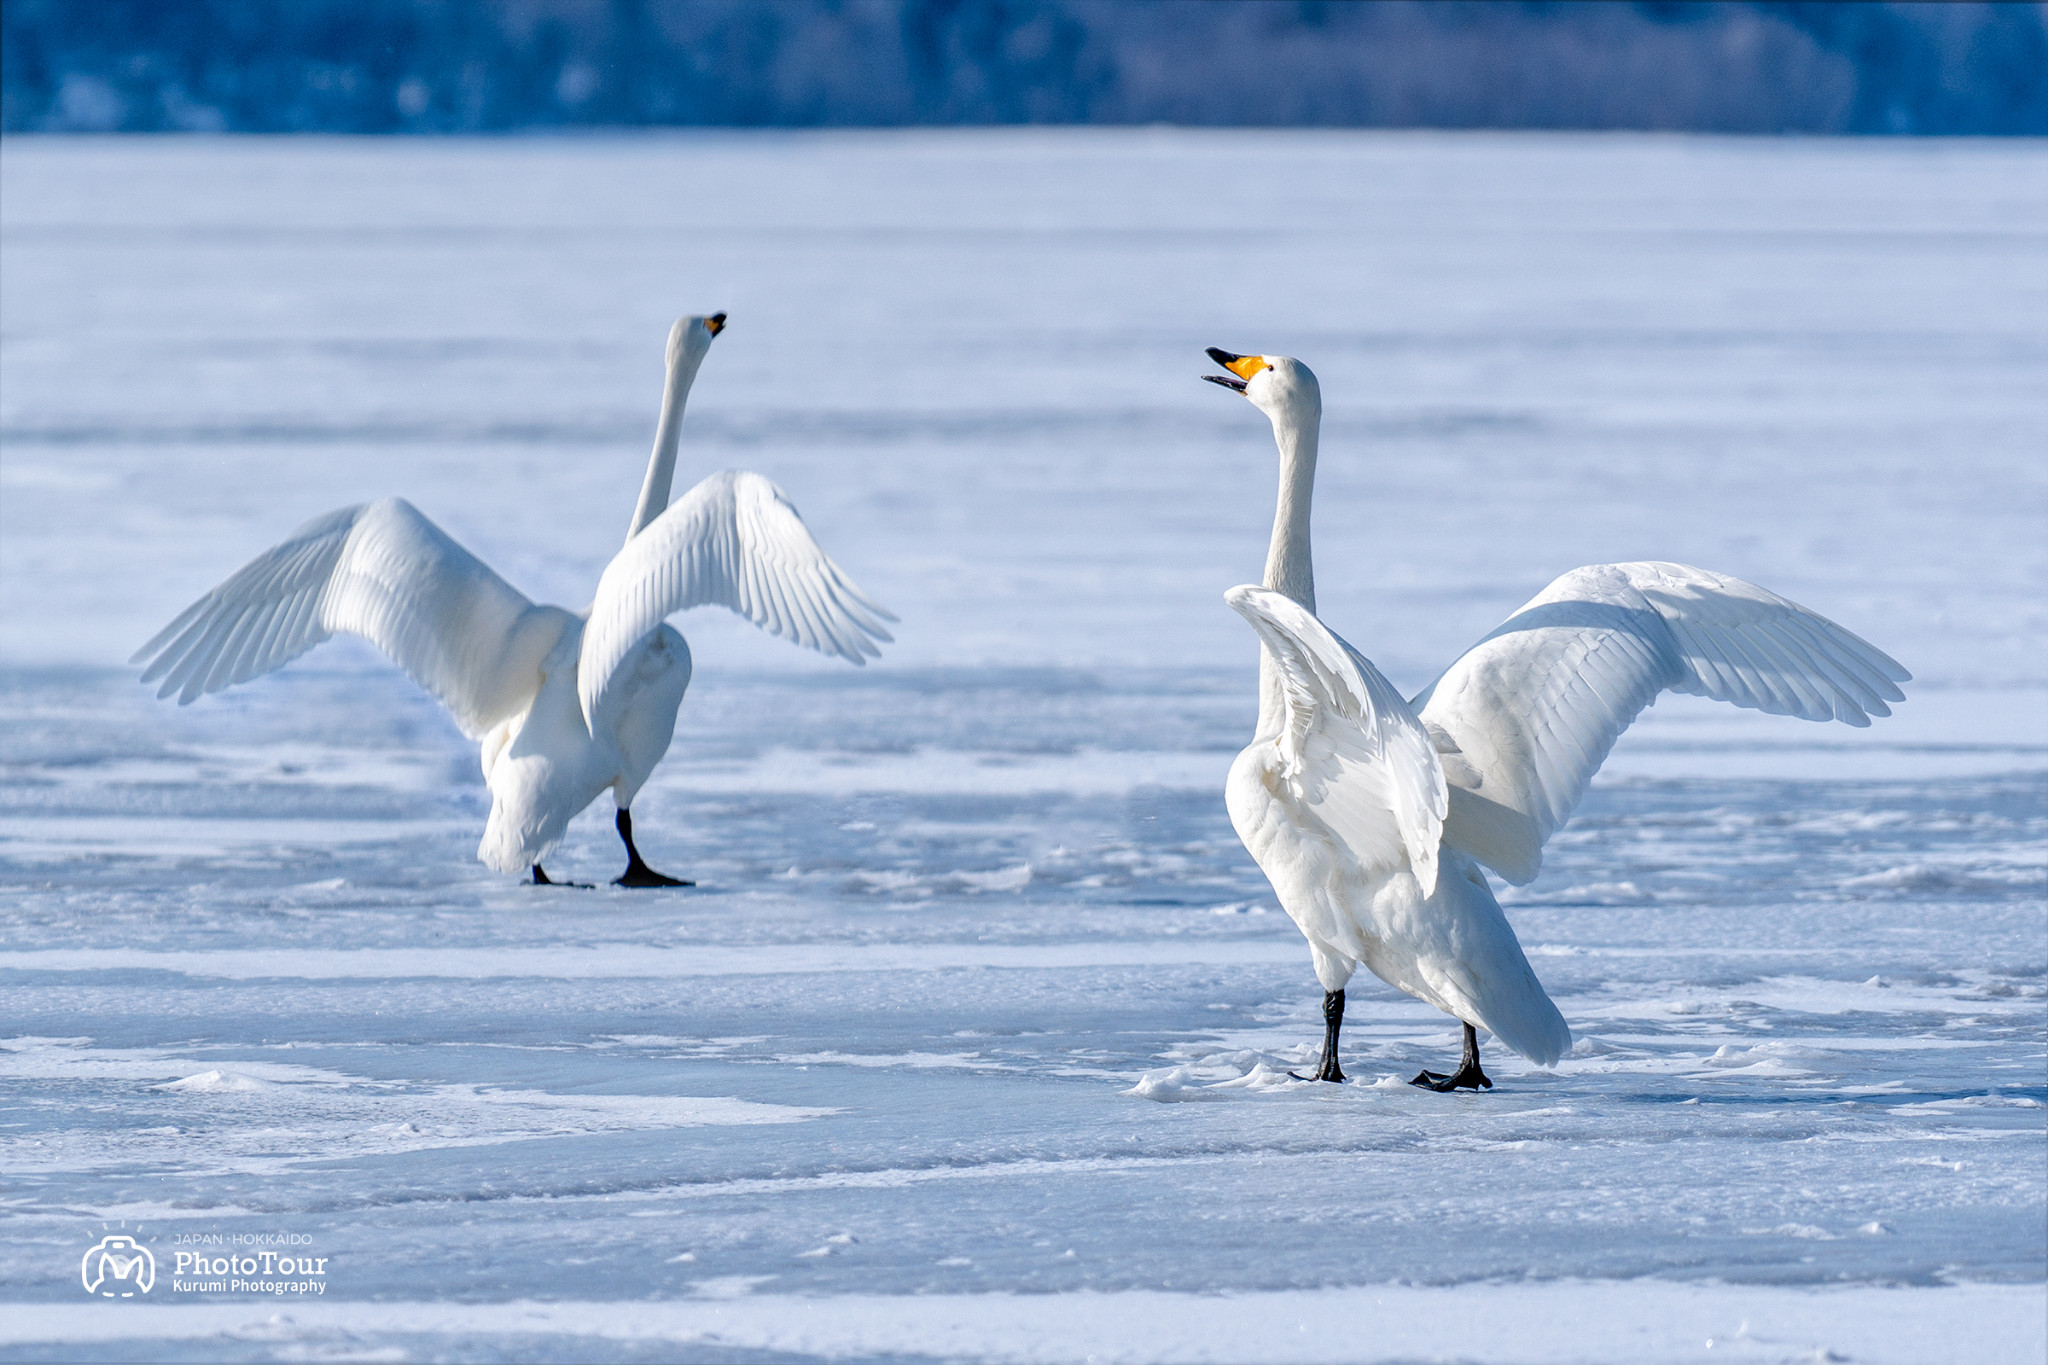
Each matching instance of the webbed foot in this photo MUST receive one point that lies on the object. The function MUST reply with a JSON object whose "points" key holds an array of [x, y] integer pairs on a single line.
{"points": [[637, 872], [1465, 1078], [1468, 1076]]}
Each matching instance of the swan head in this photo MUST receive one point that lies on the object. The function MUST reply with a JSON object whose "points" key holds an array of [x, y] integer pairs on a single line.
{"points": [[690, 339], [1278, 385]]}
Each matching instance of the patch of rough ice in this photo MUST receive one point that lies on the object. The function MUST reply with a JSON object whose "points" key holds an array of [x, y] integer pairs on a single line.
{"points": [[923, 1061], [727, 1286], [49, 1059], [1920, 878], [217, 1081], [1003, 879], [1171, 1085], [1262, 1076], [1762, 1060], [1967, 1102], [652, 1111], [1208, 1078]]}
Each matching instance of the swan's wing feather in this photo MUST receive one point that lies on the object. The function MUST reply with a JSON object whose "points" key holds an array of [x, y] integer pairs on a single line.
{"points": [[1355, 751], [1532, 710], [380, 570], [733, 541]]}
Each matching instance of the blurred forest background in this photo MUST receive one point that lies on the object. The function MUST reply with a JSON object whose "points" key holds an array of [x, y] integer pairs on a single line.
{"points": [[462, 66]]}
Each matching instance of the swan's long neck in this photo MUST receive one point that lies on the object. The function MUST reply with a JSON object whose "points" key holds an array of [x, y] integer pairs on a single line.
{"points": [[661, 465], [1290, 568]]}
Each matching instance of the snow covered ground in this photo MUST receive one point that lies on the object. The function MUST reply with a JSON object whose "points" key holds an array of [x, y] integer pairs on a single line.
{"points": [[972, 1043]]}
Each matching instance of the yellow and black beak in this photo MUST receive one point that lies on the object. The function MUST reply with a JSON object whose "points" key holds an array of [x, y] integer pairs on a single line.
{"points": [[1243, 366], [715, 323]]}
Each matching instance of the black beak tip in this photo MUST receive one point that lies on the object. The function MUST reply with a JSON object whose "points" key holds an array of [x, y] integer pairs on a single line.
{"points": [[1221, 356], [1235, 385]]}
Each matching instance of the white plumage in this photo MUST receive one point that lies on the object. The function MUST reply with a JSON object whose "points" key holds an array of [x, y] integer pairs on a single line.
{"points": [[1532, 710], [1372, 816], [736, 541], [379, 570], [1348, 748], [565, 704]]}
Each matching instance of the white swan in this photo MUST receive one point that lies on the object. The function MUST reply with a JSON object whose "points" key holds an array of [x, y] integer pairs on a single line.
{"points": [[1372, 816], [565, 703]]}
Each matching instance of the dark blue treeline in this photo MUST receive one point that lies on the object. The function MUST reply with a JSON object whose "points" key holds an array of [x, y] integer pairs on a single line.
{"points": [[450, 66]]}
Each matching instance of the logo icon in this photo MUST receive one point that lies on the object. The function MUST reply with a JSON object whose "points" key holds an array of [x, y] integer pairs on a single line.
{"points": [[118, 1268]]}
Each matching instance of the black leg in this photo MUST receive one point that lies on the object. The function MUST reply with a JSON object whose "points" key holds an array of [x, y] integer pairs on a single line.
{"points": [[1333, 1023], [638, 873], [1468, 1076], [541, 878]]}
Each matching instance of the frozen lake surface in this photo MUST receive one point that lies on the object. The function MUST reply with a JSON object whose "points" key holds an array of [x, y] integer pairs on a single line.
{"points": [[971, 1043]]}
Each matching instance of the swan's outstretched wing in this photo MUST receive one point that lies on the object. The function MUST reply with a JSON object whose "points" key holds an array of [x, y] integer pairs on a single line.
{"points": [[1358, 755], [1526, 716], [732, 541], [381, 571]]}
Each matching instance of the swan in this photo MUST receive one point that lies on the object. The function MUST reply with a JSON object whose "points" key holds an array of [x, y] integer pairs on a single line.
{"points": [[564, 704], [1373, 817]]}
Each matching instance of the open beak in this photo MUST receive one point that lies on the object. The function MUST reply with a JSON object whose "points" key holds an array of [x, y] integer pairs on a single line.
{"points": [[1242, 366], [715, 323]]}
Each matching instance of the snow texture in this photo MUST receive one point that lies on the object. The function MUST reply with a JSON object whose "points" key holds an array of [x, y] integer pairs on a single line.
{"points": [[973, 1041]]}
